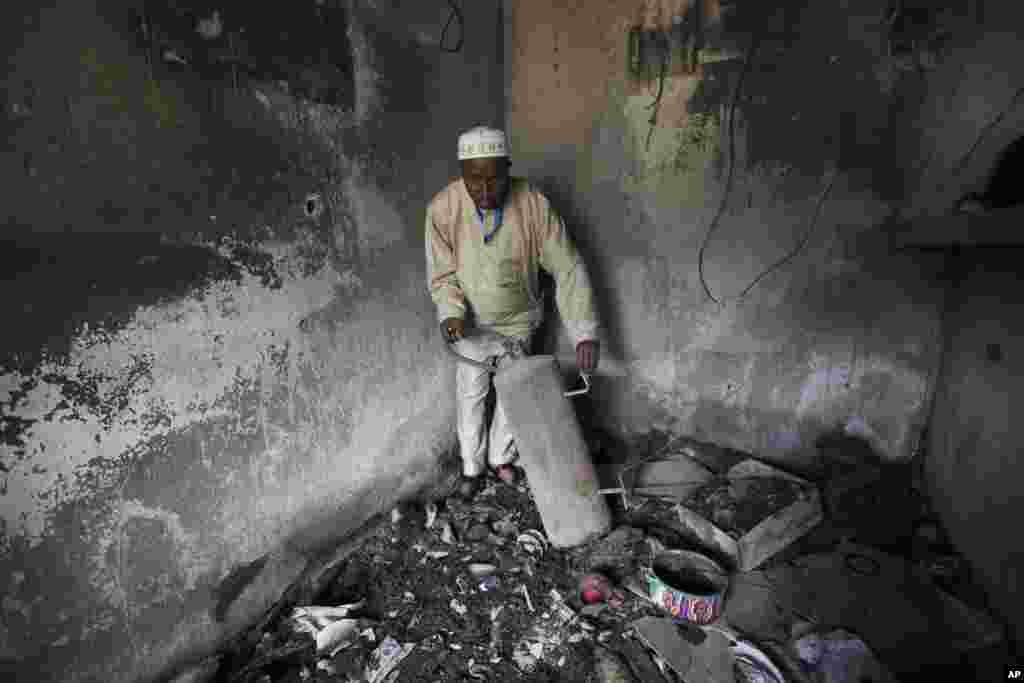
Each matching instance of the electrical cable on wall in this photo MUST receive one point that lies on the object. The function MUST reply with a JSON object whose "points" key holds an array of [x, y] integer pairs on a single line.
{"points": [[803, 242], [455, 14], [656, 105], [986, 130], [728, 189], [732, 167]]}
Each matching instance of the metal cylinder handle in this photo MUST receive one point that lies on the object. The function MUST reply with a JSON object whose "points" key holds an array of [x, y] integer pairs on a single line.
{"points": [[492, 368], [585, 389]]}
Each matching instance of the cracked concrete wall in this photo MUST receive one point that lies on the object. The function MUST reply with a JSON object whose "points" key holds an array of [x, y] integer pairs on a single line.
{"points": [[836, 337], [845, 334], [973, 467], [223, 343]]}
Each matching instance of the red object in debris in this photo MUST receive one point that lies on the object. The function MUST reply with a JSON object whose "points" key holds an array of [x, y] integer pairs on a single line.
{"points": [[595, 588]]}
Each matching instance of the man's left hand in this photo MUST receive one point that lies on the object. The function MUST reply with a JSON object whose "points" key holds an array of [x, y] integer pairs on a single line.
{"points": [[587, 353]]}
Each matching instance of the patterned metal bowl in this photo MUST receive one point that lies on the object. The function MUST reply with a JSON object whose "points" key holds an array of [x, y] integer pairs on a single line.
{"points": [[688, 585]]}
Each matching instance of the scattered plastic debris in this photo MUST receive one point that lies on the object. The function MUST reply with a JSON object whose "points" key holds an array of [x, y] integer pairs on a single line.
{"points": [[569, 630], [839, 657], [173, 57], [337, 636], [561, 607], [526, 594], [533, 542], [754, 666], [524, 659], [611, 668], [386, 658], [211, 27], [496, 627], [479, 569], [478, 671], [322, 616], [329, 626], [396, 516], [505, 527]]}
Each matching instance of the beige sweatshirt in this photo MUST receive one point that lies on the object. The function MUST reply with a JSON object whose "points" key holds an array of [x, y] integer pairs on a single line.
{"points": [[498, 281]]}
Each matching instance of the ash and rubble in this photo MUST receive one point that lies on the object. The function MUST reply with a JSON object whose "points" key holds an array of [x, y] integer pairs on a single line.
{"points": [[449, 590]]}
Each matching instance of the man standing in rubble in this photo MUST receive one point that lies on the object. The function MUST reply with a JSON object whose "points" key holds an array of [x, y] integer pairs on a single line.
{"points": [[487, 236]]}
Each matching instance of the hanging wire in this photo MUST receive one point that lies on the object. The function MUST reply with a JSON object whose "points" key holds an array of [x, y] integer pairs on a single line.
{"points": [[992, 125], [781, 262], [455, 14], [728, 189], [656, 105], [732, 167]]}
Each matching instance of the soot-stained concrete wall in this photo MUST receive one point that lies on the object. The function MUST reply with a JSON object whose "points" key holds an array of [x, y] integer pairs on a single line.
{"points": [[847, 332], [840, 335], [974, 467], [219, 345], [970, 114]]}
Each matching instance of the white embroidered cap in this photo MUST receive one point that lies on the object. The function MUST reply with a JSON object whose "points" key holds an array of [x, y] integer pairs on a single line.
{"points": [[482, 142]]}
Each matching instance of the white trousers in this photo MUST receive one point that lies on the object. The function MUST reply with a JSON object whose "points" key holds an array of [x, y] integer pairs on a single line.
{"points": [[479, 445]]}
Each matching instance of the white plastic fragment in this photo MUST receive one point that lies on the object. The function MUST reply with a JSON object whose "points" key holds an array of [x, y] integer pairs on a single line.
{"points": [[524, 661], [336, 636], [526, 594], [322, 616], [533, 542], [388, 655], [173, 57], [211, 27], [479, 569], [431, 514]]}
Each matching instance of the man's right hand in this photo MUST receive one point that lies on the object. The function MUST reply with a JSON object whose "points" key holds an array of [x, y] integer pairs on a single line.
{"points": [[453, 329]]}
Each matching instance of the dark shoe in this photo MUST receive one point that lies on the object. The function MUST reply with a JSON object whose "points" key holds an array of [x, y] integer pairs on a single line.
{"points": [[469, 487]]}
